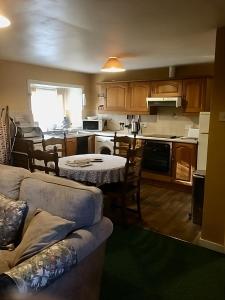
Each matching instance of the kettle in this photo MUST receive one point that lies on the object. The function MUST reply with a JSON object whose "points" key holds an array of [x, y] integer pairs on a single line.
{"points": [[135, 126]]}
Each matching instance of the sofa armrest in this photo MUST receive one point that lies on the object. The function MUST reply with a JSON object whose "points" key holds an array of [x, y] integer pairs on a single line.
{"points": [[43, 268], [39, 271]]}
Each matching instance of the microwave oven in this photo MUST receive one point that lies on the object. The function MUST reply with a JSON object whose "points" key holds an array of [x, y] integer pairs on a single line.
{"points": [[93, 125]]}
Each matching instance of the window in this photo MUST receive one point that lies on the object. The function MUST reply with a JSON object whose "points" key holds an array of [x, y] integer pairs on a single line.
{"points": [[51, 104]]}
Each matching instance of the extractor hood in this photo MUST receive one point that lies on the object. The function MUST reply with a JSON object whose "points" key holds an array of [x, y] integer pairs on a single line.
{"points": [[164, 101]]}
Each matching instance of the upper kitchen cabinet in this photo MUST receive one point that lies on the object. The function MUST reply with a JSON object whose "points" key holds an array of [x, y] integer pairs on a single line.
{"points": [[170, 88], [193, 95], [116, 96], [197, 95], [139, 91], [128, 97]]}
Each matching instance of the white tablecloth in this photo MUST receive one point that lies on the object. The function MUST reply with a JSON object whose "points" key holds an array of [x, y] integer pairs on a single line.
{"points": [[111, 169]]}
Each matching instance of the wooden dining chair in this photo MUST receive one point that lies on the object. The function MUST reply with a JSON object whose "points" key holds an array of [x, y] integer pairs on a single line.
{"points": [[46, 161], [122, 144], [129, 188], [48, 144]]}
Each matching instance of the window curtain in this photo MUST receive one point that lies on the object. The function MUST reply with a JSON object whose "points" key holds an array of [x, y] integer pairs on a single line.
{"points": [[5, 139], [47, 108]]}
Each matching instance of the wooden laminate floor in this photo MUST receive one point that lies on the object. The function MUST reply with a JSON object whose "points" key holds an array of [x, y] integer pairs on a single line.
{"points": [[164, 210]]}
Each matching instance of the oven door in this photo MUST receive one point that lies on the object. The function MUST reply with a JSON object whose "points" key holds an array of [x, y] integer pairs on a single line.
{"points": [[157, 157]]}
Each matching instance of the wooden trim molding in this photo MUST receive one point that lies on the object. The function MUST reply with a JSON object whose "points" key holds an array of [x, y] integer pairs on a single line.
{"points": [[211, 245]]}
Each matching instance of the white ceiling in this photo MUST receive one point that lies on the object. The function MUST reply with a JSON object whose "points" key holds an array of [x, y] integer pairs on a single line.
{"points": [[81, 34]]}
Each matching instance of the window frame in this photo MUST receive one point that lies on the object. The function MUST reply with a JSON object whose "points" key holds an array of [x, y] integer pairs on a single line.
{"points": [[30, 82]]}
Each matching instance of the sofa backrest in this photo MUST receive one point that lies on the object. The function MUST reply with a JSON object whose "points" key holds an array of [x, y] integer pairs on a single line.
{"points": [[10, 180], [65, 198]]}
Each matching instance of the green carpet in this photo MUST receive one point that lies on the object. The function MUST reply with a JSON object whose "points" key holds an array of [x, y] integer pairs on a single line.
{"points": [[141, 264]]}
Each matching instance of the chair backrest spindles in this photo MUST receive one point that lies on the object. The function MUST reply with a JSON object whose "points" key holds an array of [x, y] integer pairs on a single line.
{"points": [[54, 142], [122, 144], [133, 166], [45, 157]]}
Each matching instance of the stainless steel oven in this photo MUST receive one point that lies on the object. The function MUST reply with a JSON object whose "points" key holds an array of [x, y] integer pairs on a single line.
{"points": [[157, 156]]}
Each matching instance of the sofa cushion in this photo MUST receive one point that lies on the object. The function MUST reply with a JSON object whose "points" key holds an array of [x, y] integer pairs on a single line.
{"points": [[43, 231], [12, 214], [6, 260], [11, 178], [42, 269], [65, 198]]}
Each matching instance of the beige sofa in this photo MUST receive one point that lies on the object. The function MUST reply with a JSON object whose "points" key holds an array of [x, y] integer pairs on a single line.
{"points": [[80, 279]]}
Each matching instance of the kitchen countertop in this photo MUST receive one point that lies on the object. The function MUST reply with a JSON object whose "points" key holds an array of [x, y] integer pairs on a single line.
{"points": [[148, 137], [109, 133], [68, 135]]}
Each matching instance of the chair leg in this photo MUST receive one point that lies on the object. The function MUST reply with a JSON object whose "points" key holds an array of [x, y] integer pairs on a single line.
{"points": [[138, 199]]}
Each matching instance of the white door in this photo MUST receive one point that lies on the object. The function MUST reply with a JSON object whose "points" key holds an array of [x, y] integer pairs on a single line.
{"points": [[204, 119], [202, 151]]}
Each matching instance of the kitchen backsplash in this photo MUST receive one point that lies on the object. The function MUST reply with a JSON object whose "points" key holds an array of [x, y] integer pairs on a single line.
{"points": [[167, 121]]}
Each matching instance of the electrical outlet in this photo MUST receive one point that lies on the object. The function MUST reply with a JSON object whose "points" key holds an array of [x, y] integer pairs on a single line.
{"points": [[143, 124], [222, 116]]}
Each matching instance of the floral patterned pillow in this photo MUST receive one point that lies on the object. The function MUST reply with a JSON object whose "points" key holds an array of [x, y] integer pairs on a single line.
{"points": [[12, 214]]}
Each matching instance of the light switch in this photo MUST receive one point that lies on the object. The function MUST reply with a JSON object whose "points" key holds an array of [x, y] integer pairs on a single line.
{"points": [[222, 116]]}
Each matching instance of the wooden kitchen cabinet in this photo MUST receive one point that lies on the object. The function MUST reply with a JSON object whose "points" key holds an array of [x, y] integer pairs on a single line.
{"points": [[197, 94], [193, 95], [115, 96], [170, 88], [91, 144], [128, 98], [139, 91], [71, 146], [184, 160]]}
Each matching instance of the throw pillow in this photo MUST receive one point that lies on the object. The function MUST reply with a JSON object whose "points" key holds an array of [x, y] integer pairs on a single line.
{"points": [[43, 231], [12, 215]]}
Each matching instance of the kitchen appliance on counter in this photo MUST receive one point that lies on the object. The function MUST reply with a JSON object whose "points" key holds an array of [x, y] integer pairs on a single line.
{"points": [[93, 124], [29, 133], [204, 119], [157, 157], [135, 126]]}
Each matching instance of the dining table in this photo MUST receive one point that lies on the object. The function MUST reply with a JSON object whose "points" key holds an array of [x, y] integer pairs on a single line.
{"points": [[96, 169]]}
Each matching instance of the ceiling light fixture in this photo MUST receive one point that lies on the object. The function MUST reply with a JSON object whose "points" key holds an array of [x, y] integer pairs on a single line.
{"points": [[4, 22], [113, 65]]}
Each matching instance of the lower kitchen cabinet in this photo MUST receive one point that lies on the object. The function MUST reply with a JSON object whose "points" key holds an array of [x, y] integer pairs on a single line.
{"points": [[80, 145], [91, 144], [71, 146], [184, 160]]}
